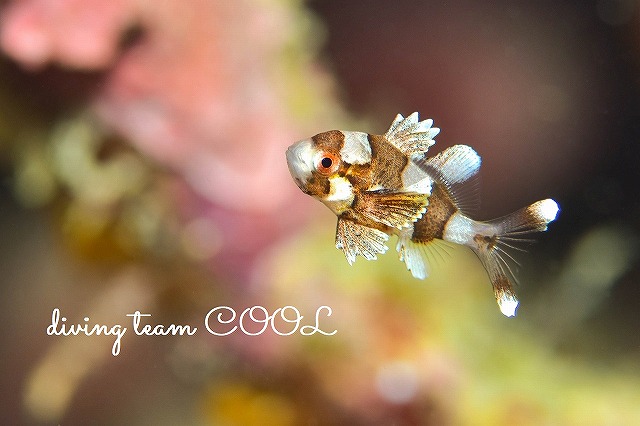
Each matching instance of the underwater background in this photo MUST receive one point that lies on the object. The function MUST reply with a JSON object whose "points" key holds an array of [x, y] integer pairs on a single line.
{"points": [[142, 169]]}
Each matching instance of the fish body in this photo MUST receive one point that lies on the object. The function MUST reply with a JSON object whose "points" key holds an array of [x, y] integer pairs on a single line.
{"points": [[384, 185]]}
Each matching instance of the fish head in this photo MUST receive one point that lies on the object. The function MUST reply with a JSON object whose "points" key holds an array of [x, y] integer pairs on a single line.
{"points": [[320, 165], [311, 167]]}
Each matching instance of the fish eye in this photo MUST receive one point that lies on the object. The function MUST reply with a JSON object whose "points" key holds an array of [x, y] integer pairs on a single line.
{"points": [[327, 163]]}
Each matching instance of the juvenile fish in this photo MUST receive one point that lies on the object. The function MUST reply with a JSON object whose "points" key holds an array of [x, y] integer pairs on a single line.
{"points": [[383, 185]]}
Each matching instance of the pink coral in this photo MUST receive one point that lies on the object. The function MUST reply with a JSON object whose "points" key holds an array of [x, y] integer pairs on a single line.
{"points": [[77, 33], [197, 92]]}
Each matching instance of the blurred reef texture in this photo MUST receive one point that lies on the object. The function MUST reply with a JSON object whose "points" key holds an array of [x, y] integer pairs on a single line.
{"points": [[142, 155]]}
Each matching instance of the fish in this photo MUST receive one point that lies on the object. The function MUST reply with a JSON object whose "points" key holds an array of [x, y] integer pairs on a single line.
{"points": [[384, 185]]}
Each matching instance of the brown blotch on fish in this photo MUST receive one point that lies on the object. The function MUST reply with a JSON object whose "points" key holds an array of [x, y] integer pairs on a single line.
{"points": [[486, 242], [331, 141], [387, 163], [432, 224]]}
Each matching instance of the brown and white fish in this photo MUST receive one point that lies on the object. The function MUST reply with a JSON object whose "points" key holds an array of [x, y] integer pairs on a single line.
{"points": [[382, 185]]}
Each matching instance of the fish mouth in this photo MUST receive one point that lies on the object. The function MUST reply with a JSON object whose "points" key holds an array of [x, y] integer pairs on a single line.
{"points": [[300, 162]]}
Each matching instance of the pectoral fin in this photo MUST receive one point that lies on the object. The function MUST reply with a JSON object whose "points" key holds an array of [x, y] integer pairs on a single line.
{"points": [[396, 209], [354, 239]]}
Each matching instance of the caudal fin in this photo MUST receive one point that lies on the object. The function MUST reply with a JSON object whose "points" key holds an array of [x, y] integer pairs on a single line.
{"points": [[534, 218], [489, 240], [502, 286], [511, 229]]}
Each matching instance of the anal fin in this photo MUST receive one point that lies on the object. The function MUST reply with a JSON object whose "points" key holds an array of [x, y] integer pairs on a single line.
{"points": [[422, 257], [410, 253]]}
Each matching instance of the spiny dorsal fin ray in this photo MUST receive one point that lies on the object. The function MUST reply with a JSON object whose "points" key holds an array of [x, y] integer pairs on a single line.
{"points": [[354, 239], [396, 209], [456, 168], [410, 136]]}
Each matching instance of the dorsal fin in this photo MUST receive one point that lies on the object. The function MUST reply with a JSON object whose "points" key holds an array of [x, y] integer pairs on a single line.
{"points": [[454, 167], [455, 164], [410, 136]]}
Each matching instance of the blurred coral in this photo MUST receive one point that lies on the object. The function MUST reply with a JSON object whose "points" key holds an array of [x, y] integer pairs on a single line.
{"points": [[209, 96], [238, 404], [76, 33], [183, 95]]}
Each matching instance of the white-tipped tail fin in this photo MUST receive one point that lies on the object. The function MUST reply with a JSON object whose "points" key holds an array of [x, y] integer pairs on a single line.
{"points": [[533, 218], [502, 285], [508, 304], [547, 210], [490, 241]]}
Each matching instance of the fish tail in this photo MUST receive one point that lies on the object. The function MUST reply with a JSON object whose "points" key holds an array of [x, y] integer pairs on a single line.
{"points": [[503, 289], [490, 241]]}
